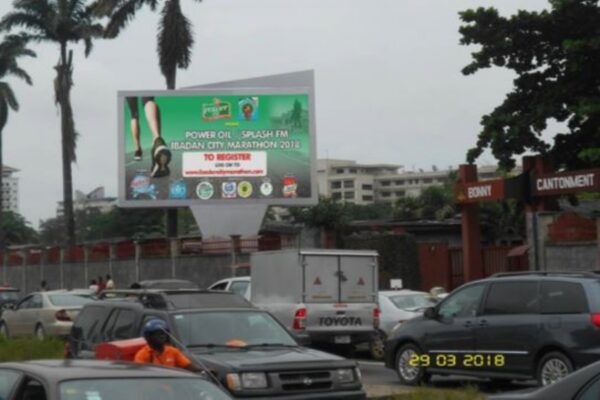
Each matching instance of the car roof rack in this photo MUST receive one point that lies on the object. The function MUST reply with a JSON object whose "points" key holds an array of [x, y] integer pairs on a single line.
{"points": [[178, 298], [587, 274]]}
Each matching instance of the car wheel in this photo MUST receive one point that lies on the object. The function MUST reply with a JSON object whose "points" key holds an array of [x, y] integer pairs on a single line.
{"points": [[410, 374], [553, 367], [376, 346], [40, 333], [3, 330]]}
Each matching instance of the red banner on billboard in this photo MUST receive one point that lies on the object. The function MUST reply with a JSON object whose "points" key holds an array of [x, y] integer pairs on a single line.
{"points": [[566, 182], [479, 191]]}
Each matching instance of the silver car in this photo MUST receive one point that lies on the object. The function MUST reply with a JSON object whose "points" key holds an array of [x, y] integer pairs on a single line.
{"points": [[396, 307], [43, 314]]}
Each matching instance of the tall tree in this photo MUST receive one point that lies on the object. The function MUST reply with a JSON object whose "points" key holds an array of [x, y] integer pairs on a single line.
{"points": [[11, 49], [174, 44], [556, 56], [63, 22]]}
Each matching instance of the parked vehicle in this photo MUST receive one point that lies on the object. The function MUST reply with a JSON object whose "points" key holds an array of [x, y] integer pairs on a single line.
{"points": [[168, 284], [240, 285], [396, 307], [540, 325], [8, 295], [330, 295], [43, 314], [96, 380], [583, 384], [246, 348]]}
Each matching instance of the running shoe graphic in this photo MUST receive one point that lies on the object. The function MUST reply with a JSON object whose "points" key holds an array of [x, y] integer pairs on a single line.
{"points": [[161, 157]]}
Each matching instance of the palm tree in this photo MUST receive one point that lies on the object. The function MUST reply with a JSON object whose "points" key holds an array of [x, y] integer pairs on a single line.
{"points": [[174, 46], [63, 22], [11, 49], [175, 41]]}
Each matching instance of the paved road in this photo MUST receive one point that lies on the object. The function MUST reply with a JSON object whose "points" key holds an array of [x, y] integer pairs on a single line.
{"points": [[374, 373]]}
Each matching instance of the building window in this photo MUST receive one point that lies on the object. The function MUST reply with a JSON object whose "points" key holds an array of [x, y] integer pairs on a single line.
{"points": [[386, 194], [349, 184], [400, 193], [339, 171], [401, 182], [336, 184], [367, 187], [385, 183], [367, 198], [348, 195], [352, 170], [336, 196], [427, 180]]}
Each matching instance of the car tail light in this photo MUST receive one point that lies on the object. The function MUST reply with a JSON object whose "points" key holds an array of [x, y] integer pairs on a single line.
{"points": [[595, 319], [62, 315], [300, 319], [67, 351], [376, 315]]}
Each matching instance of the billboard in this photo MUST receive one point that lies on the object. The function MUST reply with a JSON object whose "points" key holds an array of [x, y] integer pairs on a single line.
{"points": [[216, 146]]}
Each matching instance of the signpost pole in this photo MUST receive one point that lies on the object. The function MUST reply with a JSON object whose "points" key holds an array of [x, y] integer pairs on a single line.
{"points": [[471, 231]]}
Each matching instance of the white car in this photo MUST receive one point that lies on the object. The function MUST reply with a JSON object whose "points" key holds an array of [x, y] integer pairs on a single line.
{"points": [[396, 307], [240, 285]]}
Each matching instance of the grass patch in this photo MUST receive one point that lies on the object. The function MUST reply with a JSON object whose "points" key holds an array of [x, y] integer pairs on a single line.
{"points": [[436, 394], [30, 349]]}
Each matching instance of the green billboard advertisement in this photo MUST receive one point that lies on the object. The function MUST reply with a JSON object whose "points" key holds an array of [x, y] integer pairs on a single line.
{"points": [[183, 148]]}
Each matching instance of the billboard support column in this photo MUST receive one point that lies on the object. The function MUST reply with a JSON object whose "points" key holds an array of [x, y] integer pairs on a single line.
{"points": [[236, 219], [471, 230]]}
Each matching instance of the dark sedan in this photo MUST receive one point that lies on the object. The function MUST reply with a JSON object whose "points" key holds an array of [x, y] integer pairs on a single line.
{"points": [[583, 384], [101, 380]]}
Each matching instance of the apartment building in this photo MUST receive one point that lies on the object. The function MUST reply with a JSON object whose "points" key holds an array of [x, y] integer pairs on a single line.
{"points": [[10, 189], [347, 180]]}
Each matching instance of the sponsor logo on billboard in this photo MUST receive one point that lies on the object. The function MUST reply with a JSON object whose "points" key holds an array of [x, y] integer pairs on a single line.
{"points": [[178, 190], [290, 187], [141, 188], [248, 109], [266, 188], [216, 110], [228, 190], [245, 189], [205, 190]]}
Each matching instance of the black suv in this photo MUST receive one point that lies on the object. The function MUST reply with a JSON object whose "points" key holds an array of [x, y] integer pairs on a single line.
{"points": [[509, 326], [247, 349]]}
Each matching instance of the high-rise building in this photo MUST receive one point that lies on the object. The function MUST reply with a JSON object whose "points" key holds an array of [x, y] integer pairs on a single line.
{"points": [[349, 181], [10, 189]]}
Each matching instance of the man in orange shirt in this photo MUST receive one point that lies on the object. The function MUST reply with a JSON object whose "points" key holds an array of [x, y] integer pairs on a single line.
{"points": [[158, 352]]}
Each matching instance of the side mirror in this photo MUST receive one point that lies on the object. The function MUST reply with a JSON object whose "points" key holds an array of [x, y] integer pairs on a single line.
{"points": [[430, 312]]}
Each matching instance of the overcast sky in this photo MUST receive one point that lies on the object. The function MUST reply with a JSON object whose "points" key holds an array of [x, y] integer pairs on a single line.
{"points": [[388, 83]]}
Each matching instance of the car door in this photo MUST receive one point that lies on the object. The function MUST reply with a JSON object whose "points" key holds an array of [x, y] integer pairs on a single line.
{"points": [[452, 330], [31, 315], [507, 331], [14, 318]]}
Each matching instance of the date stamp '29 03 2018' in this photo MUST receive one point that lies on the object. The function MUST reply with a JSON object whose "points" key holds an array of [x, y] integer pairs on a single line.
{"points": [[459, 360]]}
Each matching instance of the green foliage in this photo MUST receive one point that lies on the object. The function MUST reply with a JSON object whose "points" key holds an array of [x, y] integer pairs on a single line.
{"points": [[18, 230], [93, 225], [398, 256], [556, 57], [434, 203], [328, 214], [435, 394], [30, 349]]}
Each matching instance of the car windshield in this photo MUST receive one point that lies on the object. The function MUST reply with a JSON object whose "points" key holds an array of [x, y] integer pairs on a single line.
{"points": [[9, 296], [412, 301], [140, 389], [231, 328], [63, 300]]}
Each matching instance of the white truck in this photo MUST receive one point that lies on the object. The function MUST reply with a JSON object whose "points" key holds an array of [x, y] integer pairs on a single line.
{"points": [[329, 295]]}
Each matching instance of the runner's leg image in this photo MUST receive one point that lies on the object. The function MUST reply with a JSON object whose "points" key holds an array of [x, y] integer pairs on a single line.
{"points": [[132, 102], [161, 155]]}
